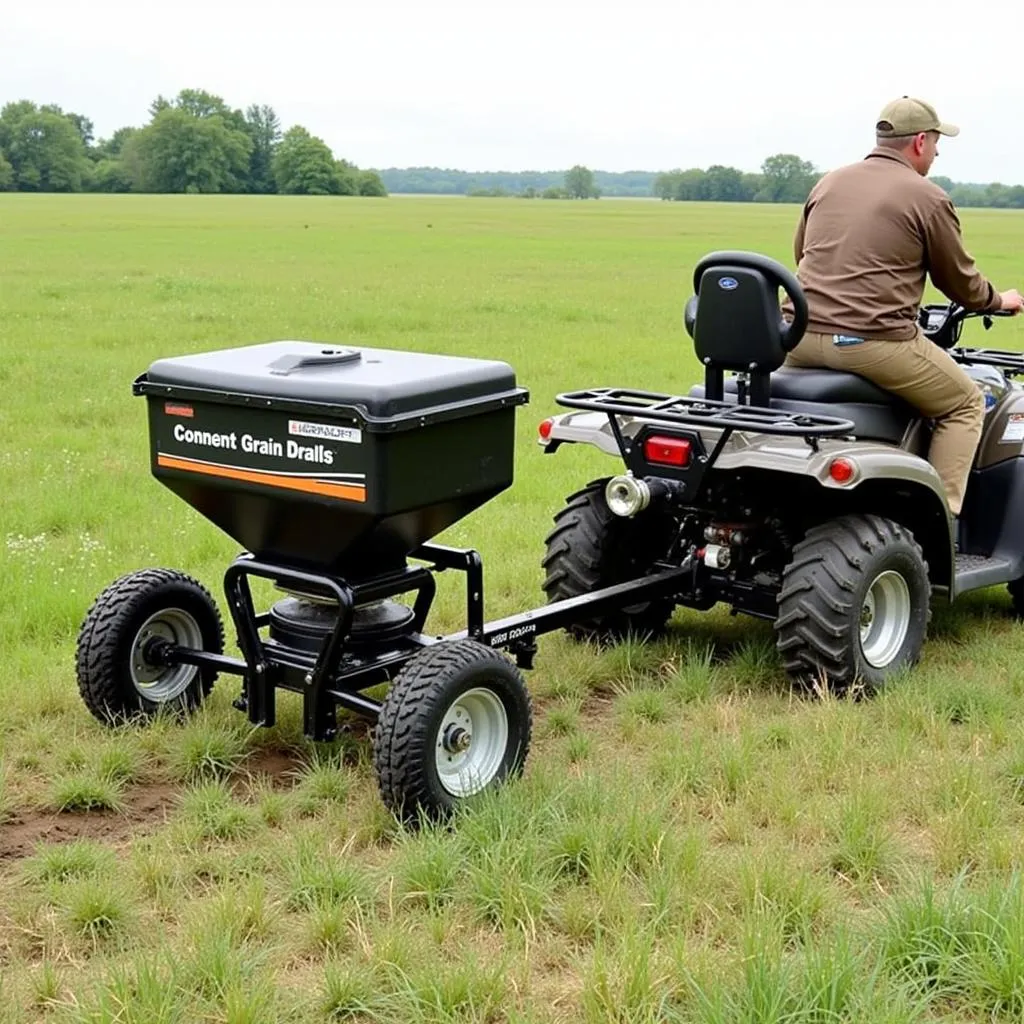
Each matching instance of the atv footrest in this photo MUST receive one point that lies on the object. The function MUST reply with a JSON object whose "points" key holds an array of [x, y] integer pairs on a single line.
{"points": [[976, 571]]}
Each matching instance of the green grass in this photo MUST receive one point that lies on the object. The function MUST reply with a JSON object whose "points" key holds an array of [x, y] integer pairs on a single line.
{"points": [[85, 792], [691, 841]]}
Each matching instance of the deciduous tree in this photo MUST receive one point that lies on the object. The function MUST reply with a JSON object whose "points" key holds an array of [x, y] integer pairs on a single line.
{"points": [[787, 178], [44, 148], [181, 152], [264, 129], [370, 184], [579, 183], [6, 174], [725, 185], [305, 165]]}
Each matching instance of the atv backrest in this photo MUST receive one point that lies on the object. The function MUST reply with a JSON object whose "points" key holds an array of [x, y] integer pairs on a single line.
{"points": [[735, 320]]}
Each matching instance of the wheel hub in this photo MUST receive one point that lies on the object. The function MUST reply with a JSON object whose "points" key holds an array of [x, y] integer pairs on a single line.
{"points": [[457, 739], [867, 613], [152, 677], [884, 618], [471, 742]]}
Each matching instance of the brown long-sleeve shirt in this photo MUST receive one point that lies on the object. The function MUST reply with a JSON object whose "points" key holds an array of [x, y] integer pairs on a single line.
{"points": [[868, 235]]}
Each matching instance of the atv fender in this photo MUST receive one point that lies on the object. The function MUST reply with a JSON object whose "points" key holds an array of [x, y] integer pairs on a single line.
{"points": [[590, 428], [877, 478], [870, 460], [867, 461]]}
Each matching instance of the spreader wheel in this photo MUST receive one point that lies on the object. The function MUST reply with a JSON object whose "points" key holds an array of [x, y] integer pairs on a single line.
{"points": [[119, 676], [456, 720]]}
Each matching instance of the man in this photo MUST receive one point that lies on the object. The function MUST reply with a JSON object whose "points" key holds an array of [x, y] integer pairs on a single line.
{"points": [[868, 236]]}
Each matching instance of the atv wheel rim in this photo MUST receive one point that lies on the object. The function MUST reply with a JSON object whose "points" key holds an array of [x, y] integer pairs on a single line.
{"points": [[162, 683], [884, 618], [471, 742]]}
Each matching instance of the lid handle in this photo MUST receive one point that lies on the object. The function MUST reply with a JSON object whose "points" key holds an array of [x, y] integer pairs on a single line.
{"points": [[325, 357]]}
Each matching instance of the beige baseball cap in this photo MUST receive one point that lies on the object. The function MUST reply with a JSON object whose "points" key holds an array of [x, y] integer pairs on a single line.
{"points": [[908, 116]]}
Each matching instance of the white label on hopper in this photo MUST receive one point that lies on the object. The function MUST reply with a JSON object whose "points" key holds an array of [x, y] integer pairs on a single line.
{"points": [[331, 431]]}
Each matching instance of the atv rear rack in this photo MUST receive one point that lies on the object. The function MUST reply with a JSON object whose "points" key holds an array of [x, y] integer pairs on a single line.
{"points": [[705, 412]]}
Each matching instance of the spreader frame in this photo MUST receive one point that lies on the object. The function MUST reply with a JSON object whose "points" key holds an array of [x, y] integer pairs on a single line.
{"points": [[335, 676]]}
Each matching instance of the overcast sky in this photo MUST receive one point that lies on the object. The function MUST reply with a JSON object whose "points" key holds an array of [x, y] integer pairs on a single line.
{"points": [[543, 85]]}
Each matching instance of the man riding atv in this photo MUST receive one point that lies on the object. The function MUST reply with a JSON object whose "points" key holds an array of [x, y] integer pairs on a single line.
{"points": [[867, 237]]}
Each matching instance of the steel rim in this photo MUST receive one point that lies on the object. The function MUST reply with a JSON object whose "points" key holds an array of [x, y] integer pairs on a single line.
{"points": [[884, 618], [471, 742], [162, 683]]}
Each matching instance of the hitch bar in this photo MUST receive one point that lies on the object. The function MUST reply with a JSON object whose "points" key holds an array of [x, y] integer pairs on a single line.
{"points": [[506, 632]]}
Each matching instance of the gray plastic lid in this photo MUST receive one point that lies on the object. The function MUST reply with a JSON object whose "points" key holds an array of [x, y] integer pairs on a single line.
{"points": [[384, 382]]}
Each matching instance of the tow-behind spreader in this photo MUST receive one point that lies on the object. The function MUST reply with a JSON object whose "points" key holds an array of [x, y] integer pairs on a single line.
{"points": [[804, 497], [333, 467]]}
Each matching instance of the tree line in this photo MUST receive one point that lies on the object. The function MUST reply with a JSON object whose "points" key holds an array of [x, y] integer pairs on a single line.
{"points": [[195, 142], [995, 194], [783, 178], [578, 182], [449, 181], [192, 143]]}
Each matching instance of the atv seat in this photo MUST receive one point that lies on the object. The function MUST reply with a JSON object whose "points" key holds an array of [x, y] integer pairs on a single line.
{"points": [[821, 385], [736, 325], [877, 415]]}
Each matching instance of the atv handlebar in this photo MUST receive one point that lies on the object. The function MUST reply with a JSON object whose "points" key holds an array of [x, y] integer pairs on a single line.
{"points": [[943, 324]]}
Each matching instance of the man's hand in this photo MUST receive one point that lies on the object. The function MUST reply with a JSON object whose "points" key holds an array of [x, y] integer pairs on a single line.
{"points": [[1013, 302]]}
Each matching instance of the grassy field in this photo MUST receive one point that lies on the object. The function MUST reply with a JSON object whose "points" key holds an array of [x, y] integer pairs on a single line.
{"points": [[691, 840]]}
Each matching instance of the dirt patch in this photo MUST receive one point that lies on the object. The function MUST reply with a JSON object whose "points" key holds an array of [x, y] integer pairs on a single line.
{"points": [[146, 808], [277, 767]]}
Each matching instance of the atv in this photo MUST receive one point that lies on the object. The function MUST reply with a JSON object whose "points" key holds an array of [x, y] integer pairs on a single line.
{"points": [[800, 496]]}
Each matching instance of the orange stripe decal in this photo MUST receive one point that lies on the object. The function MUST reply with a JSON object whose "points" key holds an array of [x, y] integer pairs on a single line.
{"points": [[347, 492]]}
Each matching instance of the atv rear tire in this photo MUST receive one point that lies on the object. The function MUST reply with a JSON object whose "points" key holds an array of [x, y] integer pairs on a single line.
{"points": [[115, 679], [854, 604], [591, 548]]}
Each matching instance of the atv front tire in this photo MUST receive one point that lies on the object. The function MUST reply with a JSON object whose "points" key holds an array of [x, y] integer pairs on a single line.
{"points": [[591, 548], [854, 604]]}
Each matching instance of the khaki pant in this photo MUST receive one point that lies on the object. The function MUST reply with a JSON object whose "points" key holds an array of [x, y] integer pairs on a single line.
{"points": [[924, 376]]}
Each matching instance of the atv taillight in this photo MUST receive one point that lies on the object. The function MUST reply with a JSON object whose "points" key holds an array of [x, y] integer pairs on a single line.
{"points": [[667, 451], [544, 429], [841, 470]]}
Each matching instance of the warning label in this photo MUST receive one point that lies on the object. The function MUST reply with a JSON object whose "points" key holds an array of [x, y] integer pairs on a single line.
{"points": [[330, 431], [1014, 429]]}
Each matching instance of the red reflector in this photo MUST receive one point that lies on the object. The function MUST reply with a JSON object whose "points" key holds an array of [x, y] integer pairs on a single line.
{"points": [[545, 428], [667, 451], [841, 470]]}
